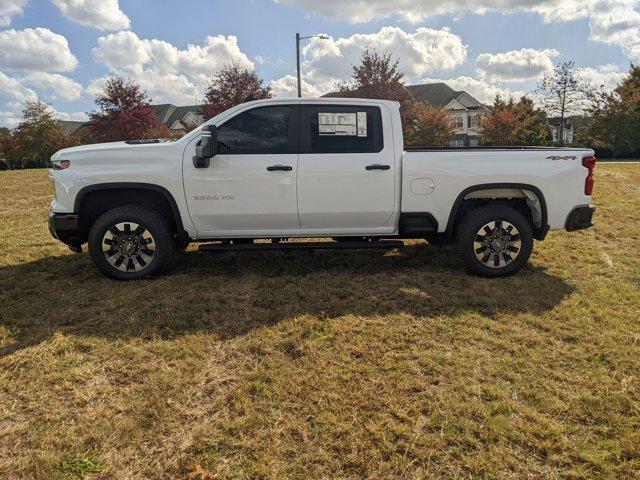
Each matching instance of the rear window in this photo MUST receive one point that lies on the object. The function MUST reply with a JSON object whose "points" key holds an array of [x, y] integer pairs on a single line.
{"points": [[341, 129]]}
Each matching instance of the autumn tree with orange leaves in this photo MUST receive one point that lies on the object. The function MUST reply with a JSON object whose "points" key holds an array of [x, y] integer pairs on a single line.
{"points": [[233, 85], [124, 113], [427, 125], [378, 76], [514, 123]]}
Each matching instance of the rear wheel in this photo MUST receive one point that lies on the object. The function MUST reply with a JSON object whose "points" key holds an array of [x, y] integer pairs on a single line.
{"points": [[131, 242], [494, 241]]}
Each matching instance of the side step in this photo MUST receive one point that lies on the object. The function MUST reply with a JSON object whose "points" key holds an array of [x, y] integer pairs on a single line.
{"points": [[262, 247]]}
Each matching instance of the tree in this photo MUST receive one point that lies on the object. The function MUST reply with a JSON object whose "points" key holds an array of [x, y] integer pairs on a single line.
{"points": [[124, 113], [38, 137], [378, 77], [562, 93], [629, 93], [8, 149], [607, 121], [614, 117], [233, 85], [427, 125], [514, 123]]}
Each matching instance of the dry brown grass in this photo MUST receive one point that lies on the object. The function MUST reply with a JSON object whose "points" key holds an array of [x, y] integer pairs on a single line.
{"points": [[326, 365]]}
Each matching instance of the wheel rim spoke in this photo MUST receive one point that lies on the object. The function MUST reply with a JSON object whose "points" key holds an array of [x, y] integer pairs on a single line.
{"points": [[128, 246], [497, 244]]}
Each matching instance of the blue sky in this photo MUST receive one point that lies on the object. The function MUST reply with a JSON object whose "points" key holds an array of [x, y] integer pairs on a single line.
{"points": [[59, 50]]}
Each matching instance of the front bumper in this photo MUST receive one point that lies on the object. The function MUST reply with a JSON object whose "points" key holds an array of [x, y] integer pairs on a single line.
{"points": [[64, 227], [580, 218]]}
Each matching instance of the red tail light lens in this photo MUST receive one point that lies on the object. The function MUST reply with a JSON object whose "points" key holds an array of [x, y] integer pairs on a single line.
{"points": [[590, 164]]}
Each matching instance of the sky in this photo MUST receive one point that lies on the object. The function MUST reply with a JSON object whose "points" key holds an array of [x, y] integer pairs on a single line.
{"points": [[59, 51]]}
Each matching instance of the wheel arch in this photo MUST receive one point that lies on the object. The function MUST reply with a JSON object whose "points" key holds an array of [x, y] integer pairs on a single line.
{"points": [[122, 193], [497, 192]]}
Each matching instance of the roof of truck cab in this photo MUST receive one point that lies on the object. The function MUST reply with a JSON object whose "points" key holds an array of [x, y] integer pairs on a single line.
{"points": [[328, 101]]}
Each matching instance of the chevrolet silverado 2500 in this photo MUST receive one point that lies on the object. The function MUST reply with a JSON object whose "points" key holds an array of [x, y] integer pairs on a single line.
{"points": [[323, 168]]}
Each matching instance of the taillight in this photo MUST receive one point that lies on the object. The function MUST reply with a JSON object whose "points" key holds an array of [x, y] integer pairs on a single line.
{"points": [[589, 163]]}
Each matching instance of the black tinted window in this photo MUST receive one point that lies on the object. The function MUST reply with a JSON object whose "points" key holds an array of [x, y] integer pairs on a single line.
{"points": [[261, 130], [343, 129]]}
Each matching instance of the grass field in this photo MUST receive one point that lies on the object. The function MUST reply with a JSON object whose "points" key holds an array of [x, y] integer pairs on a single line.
{"points": [[321, 365]]}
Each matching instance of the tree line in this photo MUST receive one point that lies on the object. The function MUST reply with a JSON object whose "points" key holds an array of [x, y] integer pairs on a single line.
{"points": [[610, 121]]}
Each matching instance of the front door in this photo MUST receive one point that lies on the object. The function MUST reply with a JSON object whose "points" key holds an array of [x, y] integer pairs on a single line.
{"points": [[346, 170], [250, 185]]}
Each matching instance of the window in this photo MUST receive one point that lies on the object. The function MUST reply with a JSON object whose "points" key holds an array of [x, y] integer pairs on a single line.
{"points": [[473, 142], [456, 143], [459, 122], [259, 131], [341, 129], [473, 121]]}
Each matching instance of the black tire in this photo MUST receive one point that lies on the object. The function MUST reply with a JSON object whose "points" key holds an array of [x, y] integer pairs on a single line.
{"points": [[505, 248], [156, 258]]}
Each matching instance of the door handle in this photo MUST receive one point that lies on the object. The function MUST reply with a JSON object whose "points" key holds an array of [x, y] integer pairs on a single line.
{"points": [[377, 166], [281, 168]]}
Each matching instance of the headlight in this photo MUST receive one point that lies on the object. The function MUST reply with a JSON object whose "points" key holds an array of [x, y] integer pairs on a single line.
{"points": [[60, 164]]}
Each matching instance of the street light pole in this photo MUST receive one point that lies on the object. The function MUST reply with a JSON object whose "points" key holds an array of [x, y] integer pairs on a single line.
{"points": [[298, 38], [298, 64]]}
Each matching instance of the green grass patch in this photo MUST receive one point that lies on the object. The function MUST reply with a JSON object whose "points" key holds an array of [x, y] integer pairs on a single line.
{"points": [[345, 365]]}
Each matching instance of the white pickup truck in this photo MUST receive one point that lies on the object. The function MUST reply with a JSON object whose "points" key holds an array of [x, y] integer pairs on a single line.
{"points": [[279, 170]]}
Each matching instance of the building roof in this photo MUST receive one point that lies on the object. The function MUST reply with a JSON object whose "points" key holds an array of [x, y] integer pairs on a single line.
{"points": [[435, 94], [70, 126], [169, 114]]}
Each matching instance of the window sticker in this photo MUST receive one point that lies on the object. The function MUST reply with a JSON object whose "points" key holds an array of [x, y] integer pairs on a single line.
{"points": [[342, 124]]}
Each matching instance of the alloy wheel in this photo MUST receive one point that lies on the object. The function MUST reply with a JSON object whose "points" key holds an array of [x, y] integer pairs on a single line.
{"points": [[497, 244], [128, 246]]}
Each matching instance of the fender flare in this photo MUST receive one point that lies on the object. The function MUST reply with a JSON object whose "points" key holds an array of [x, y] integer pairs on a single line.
{"points": [[539, 232], [133, 186]]}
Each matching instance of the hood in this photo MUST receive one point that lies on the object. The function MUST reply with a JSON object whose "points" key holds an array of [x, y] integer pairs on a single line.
{"points": [[107, 148]]}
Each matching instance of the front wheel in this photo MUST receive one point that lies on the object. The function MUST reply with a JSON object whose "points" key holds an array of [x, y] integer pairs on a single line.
{"points": [[131, 242], [494, 241]]}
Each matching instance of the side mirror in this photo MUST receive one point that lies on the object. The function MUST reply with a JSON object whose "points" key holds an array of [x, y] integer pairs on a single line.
{"points": [[207, 148]]}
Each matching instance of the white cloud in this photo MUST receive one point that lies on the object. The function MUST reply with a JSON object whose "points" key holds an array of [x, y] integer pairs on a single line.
{"points": [[9, 8], [482, 91], [75, 116], [515, 65], [603, 76], [9, 118], [615, 22], [101, 14], [35, 49], [13, 89], [329, 62], [167, 73], [359, 11], [287, 87], [63, 88], [16, 94]]}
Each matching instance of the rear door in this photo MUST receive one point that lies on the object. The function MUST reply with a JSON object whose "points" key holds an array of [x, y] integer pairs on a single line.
{"points": [[346, 168], [250, 185]]}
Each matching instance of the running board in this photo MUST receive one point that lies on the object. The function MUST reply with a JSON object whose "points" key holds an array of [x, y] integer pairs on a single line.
{"points": [[262, 247]]}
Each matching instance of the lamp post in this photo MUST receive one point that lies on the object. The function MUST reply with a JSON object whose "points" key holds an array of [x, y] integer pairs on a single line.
{"points": [[298, 38]]}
